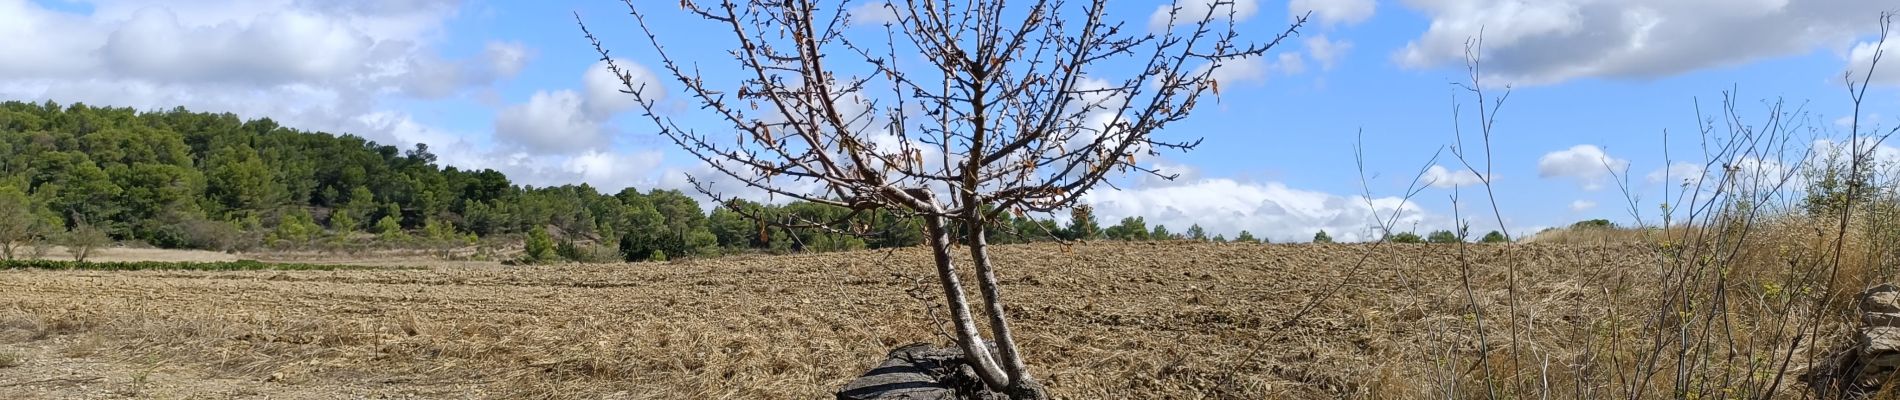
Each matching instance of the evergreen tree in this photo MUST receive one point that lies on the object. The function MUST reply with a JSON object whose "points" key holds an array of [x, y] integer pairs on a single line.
{"points": [[295, 229], [239, 182], [342, 223], [438, 233], [1245, 237], [361, 205], [1322, 237], [1196, 233], [1130, 228], [540, 247]]}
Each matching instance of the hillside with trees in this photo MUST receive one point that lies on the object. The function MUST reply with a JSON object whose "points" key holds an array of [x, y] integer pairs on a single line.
{"points": [[191, 180]]}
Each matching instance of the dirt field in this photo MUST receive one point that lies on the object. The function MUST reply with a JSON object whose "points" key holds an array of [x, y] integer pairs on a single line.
{"points": [[1107, 321]]}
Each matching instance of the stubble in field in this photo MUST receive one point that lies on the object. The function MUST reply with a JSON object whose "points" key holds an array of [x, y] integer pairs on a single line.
{"points": [[1161, 320]]}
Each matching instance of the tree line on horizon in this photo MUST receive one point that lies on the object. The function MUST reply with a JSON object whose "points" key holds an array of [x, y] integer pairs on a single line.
{"points": [[212, 181]]}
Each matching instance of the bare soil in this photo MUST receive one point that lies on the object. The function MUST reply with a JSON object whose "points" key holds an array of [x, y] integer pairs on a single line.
{"points": [[1098, 321]]}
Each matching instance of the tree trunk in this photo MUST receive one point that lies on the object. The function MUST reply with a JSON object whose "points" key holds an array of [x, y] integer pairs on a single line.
{"points": [[967, 336], [1013, 365]]}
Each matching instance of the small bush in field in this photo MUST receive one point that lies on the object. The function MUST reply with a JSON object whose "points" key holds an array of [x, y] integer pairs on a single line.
{"points": [[1494, 237], [1405, 237]]}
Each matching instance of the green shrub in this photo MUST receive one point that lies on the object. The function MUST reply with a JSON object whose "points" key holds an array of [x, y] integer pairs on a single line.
{"points": [[1404, 237], [566, 250], [1442, 236], [1322, 237], [83, 240], [1593, 224], [540, 247], [1245, 237], [1494, 237]]}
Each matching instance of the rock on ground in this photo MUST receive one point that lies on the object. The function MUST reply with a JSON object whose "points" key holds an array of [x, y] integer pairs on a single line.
{"points": [[919, 371]]}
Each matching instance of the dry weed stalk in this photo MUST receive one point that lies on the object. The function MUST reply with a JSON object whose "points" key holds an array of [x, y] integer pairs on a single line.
{"points": [[1755, 280]]}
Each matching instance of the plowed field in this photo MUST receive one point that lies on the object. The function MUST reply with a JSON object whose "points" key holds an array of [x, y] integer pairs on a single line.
{"points": [[1098, 321]]}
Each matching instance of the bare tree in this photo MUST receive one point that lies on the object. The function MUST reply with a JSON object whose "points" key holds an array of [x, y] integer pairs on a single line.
{"points": [[950, 111]]}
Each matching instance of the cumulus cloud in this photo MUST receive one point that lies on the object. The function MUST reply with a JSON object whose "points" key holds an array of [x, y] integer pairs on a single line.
{"points": [[604, 96], [1582, 205], [437, 77], [1292, 63], [550, 122], [1191, 11], [1551, 41], [571, 122], [1862, 57], [1679, 173], [1327, 52], [1330, 12], [1588, 164], [1271, 210], [1445, 178], [315, 65], [1254, 70], [1240, 70]]}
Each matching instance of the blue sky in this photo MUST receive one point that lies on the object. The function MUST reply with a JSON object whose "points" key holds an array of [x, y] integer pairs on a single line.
{"points": [[505, 85]]}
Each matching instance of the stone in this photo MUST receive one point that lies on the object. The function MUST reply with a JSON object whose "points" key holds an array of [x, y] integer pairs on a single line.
{"points": [[919, 371], [1863, 366]]}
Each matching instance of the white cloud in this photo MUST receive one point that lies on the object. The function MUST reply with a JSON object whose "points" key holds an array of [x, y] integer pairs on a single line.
{"points": [[1867, 121], [1445, 178], [1327, 52], [1541, 42], [1829, 152], [1291, 63], [326, 65], [550, 122], [1185, 174], [1679, 173], [272, 48], [604, 96], [1582, 205], [1588, 164], [1271, 210], [435, 77], [1241, 70], [570, 122], [1862, 57], [1191, 12], [1106, 103], [506, 58], [1329, 12], [872, 12]]}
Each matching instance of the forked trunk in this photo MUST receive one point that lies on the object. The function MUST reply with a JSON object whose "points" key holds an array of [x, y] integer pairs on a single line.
{"points": [[1022, 386], [968, 338]]}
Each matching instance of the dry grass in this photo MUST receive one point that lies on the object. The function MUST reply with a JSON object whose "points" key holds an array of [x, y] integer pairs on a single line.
{"points": [[1160, 320], [10, 359]]}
